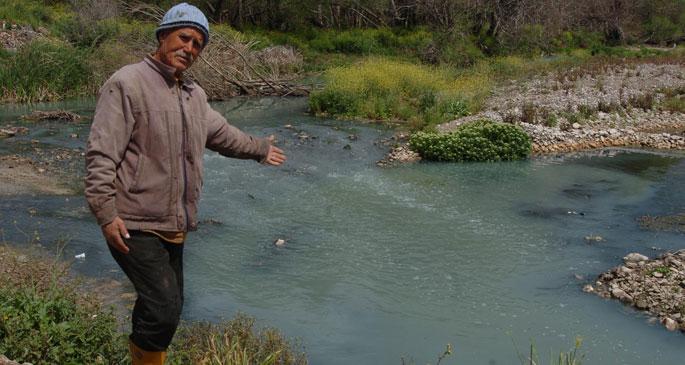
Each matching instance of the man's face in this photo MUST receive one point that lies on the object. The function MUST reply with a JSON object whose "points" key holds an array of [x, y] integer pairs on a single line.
{"points": [[180, 47]]}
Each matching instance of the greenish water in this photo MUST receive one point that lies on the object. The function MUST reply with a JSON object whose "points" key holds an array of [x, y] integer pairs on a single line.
{"points": [[384, 263]]}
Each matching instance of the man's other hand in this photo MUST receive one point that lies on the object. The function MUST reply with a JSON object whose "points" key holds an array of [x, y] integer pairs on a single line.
{"points": [[113, 232], [276, 156]]}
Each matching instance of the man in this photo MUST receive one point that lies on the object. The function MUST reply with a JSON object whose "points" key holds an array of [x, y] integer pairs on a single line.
{"points": [[144, 171]]}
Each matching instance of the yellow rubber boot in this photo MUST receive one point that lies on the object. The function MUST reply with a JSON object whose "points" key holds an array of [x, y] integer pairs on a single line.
{"points": [[142, 357]]}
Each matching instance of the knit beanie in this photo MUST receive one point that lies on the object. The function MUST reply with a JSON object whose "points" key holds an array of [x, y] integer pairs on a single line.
{"points": [[184, 15]]}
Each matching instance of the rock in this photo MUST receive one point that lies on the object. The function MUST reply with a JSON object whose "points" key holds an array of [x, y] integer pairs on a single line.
{"points": [[670, 324], [657, 274], [279, 242], [22, 259], [575, 126], [625, 270], [621, 295], [635, 257], [594, 238], [588, 289], [641, 304]]}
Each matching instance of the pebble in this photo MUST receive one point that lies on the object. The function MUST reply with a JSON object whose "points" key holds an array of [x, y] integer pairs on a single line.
{"points": [[670, 324], [279, 242]]}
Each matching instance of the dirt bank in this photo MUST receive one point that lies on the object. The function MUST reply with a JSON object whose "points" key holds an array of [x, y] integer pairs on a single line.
{"points": [[21, 175]]}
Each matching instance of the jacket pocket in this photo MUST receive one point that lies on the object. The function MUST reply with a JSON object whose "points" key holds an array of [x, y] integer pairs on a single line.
{"points": [[140, 165]]}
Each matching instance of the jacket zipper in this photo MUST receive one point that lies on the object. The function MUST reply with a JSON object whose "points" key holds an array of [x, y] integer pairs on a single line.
{"points": [[183, 156]]}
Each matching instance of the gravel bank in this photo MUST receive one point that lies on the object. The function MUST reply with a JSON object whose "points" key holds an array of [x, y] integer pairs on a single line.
{"points": [[655, 286], [585, 109]]}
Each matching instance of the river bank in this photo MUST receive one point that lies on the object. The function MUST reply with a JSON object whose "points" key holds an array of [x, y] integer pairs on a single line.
{"points": [[73, 306], [612, 105], [654, 286]]}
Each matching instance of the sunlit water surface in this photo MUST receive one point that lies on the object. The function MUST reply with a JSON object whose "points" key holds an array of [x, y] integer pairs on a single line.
{"points": [[385, 263]]}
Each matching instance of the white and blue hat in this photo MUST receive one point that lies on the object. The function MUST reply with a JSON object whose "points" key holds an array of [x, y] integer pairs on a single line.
{"points": [[184, 15]]}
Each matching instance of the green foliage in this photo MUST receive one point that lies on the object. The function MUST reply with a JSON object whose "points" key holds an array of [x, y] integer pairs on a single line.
{"points": [[663, 270], [586, 111], [476, 141], [675, 104], [663, 30], [643, 101], [571, 357], [232, 342], [56, 325], [455, 48], [551, 120], [85, 33], [381, 89], [532, 39], [33, 12], [369, 41], [569, 40], [44, 70]]}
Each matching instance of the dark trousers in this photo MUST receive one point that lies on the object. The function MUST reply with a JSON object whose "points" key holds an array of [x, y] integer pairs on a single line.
{"points": [[155, 268]]}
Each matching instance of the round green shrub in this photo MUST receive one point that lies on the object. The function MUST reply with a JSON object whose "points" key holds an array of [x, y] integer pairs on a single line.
{"points": [[478, 141]]}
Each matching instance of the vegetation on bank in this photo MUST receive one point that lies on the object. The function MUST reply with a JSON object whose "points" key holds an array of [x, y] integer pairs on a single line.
{"points": [[477, 141], [45, 318], [381, 89], [86, 41]]}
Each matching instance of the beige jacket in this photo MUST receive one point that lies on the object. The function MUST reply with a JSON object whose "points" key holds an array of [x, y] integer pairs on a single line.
{"points": [[145, 149]]}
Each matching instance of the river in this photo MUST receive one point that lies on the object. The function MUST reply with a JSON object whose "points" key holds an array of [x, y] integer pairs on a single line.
{"points": [[385, 263]]}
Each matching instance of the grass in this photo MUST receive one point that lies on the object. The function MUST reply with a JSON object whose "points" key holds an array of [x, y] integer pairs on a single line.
{"points": [[386, 90], [571, 357], [32, 12], [233, 342], [44, 70]]}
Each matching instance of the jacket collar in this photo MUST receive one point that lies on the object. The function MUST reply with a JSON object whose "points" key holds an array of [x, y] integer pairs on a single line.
{"points": [[168, 73]]}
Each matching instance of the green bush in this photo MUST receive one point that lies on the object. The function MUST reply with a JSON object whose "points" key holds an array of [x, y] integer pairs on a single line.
{"points": [[381, 41], [663, 30], [478, 141], [44, 70], [56, 326]]}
